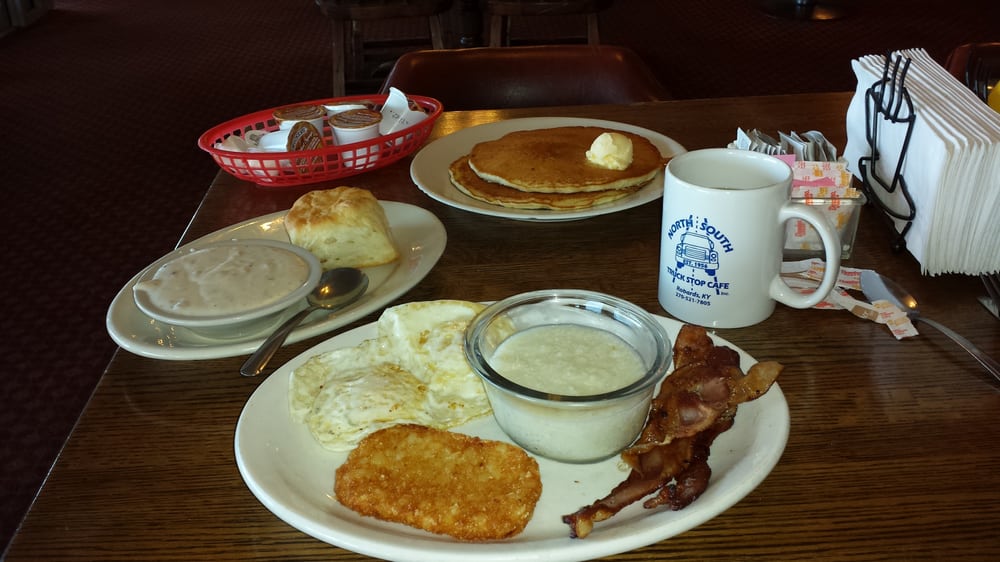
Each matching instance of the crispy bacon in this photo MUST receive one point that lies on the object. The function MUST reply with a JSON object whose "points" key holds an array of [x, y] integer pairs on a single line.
{"points": [[696, 404]]}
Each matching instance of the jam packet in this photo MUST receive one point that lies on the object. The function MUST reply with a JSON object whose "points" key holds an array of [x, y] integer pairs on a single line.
{"points": [[825, 186]]}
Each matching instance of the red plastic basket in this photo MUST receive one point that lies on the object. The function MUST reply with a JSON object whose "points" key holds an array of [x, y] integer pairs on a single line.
{"points": [[312, 166]]}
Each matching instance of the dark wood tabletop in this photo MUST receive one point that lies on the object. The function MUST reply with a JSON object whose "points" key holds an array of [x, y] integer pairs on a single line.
{"points": [[893, 451]]}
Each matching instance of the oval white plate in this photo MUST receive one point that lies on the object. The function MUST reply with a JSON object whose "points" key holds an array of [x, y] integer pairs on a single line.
{"points": [[419, 235], [429, 169], [293, 477]]}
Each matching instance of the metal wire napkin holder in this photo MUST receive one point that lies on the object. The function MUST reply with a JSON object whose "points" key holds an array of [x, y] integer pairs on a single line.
{"points": [[889, 100]]}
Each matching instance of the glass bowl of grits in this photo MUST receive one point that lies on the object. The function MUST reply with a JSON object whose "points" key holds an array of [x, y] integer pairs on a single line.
{"points": [[230, 289], [570, 374]]}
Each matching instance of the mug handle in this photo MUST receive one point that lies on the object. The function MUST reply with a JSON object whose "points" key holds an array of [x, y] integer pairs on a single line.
{"points": [[779, 290]]}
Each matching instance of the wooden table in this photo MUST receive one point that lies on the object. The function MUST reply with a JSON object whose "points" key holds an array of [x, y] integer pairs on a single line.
{"points": [[894, 445]]}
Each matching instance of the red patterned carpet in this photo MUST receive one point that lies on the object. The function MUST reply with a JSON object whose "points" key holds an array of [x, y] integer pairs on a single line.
{"points": [[102, 102]]}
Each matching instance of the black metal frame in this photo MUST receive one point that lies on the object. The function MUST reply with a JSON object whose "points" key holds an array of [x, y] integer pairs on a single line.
{"points": [[889, 100]]}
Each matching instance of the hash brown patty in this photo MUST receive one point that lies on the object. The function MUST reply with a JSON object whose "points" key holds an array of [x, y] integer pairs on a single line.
{"points": [[443, 482]]}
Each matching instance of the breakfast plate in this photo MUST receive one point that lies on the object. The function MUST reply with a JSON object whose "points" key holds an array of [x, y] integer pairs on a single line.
{"points": [[293, 476], [429, 169], [419, 235]]}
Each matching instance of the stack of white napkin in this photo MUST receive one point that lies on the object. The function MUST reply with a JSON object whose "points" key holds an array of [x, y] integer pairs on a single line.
{"points": [[952, 166]]}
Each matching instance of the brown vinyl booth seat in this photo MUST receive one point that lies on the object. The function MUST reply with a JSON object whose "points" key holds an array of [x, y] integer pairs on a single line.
{"points": [[530, 76], [977, 65]]}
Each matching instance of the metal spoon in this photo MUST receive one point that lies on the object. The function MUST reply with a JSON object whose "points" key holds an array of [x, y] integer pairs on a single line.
{"points": [[336, 289], [878, 287]]}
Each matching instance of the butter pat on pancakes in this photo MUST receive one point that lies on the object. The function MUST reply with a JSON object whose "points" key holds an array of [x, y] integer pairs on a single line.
{"points": [[612, 151], [413, 372]]}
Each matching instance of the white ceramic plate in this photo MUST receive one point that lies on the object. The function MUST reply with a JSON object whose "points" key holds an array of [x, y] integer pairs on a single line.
{"points": [[419, 235], [429, 168], [293, 477]]}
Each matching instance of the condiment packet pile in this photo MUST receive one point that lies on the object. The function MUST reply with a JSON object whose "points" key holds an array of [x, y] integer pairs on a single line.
{"points": [[810, 146], [805, 276], [817, 172], [827, 187], [819, 179]]}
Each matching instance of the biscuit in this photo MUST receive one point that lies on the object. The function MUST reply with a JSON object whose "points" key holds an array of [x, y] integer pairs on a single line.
{"points": [[343, 227]]}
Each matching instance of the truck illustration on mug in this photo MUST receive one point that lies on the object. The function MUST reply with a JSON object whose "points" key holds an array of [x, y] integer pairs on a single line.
{"points": [[697, 251]]}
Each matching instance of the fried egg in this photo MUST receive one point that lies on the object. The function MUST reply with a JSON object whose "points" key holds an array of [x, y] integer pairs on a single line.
{"points": [[427, 338], [414, 371]]}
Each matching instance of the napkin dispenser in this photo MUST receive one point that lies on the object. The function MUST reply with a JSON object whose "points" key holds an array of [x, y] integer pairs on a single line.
{"points": [[926, 151]]}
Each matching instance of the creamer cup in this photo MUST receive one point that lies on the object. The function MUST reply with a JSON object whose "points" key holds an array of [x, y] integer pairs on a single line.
{"points": [[301, 135], [274, 141], [252, 138], [288, 116], [340, 107], [356, 125], [233, 143], [398, 113]]}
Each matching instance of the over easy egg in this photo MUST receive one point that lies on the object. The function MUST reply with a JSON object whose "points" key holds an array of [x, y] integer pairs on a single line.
{"points": [[414, 372]]}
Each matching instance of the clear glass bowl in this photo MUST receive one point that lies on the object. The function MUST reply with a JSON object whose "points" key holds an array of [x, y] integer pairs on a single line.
{"points": [[568, 427]]}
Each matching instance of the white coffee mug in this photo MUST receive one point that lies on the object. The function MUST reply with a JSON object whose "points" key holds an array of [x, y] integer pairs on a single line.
{"points": [[722, 237]]}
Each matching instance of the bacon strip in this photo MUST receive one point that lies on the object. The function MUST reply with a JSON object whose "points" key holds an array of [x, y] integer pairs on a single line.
{"points": [[696, 404]]}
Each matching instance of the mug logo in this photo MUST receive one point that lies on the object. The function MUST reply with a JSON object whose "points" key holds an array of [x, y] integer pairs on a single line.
{"points": [[694, 271]]}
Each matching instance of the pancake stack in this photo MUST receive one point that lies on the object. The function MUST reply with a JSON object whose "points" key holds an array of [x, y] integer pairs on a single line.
{"points": [[549, 169]]}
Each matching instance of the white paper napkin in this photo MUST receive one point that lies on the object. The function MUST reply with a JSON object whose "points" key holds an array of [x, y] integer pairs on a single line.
{"points": [[952, 165]]}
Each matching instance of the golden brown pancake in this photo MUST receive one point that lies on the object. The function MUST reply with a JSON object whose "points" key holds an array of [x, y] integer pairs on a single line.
{"points": [[555, 161], [465, 179]]}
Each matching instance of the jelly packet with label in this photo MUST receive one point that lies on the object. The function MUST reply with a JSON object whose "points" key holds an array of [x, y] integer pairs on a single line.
{"points": [[825, 186], [805, 276]]}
